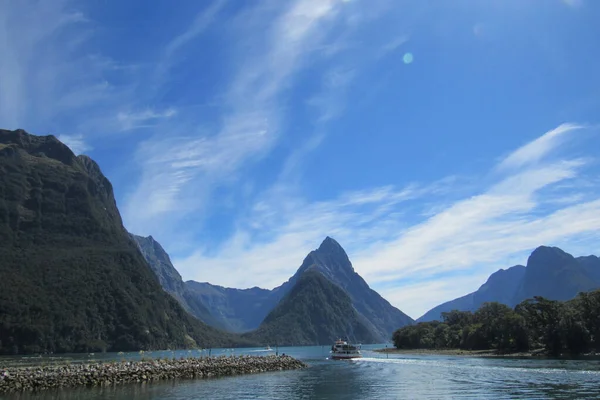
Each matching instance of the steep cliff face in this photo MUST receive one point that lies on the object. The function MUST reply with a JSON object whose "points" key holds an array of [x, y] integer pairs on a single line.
{"points": [[160, 262], [72, 279]]}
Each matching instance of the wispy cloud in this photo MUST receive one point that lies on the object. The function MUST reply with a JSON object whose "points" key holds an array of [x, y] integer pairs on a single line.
{"points": [[25, 88], [53, 77], [76, 143], [250, 122], [398, 250], [143, 119], [202, 21], [533, 151]]}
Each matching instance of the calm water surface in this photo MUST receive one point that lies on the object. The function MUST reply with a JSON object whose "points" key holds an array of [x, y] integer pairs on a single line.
{"points": [[373, 377]]}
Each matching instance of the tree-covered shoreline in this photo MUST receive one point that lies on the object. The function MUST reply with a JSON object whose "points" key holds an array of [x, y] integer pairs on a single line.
{"points": [[571, 327]]}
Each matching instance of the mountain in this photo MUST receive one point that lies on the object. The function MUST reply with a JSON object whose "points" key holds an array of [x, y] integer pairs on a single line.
{"points": [[237, 310], [243, 310], [314, 311], [72, 278], [233, 310], [500, 286], [591, 266], [550, 273], [331, 260], [556, 275], [170, 280]]}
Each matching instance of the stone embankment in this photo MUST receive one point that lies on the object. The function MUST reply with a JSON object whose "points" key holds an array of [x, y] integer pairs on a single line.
{"points": [[14, 379]]}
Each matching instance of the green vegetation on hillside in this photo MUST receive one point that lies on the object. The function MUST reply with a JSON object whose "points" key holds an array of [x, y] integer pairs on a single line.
{"points": [[558, 327], [71, 279], [315, 311]]}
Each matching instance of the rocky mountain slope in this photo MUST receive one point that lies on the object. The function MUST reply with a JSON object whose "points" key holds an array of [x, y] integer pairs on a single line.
{"points": [[160, 263], [72, 279], [333, 263], [314, 312]]}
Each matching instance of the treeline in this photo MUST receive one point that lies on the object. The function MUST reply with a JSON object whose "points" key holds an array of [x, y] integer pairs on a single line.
{"points": [[558, 327]]}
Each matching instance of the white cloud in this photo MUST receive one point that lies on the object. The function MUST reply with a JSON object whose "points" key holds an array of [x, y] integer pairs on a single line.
{"points": [[329, 102], [53, 76], [535, 150], [76, 143], [25, 88], [394, 248], [202, 21], [143, 119], [431, 293], [179, 172]]}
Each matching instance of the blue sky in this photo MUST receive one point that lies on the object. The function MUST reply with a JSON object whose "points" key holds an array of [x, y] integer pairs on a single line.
{"points": [[436, 141]]}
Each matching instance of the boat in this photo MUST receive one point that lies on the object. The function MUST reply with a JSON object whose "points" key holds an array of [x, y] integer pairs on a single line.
{"points": [[268, 348], [342, 350]]}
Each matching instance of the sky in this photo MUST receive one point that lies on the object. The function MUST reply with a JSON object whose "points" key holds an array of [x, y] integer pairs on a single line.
{"points": [[435, 141]]}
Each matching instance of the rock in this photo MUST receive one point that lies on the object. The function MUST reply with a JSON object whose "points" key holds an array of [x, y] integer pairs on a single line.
{"points": [[15, 379]]}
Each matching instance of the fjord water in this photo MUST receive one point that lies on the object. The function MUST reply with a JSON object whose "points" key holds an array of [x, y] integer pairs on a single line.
{"points": [[373, 377]]}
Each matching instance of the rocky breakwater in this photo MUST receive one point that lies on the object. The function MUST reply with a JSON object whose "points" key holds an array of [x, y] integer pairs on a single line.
{"points": [[15, 379]]}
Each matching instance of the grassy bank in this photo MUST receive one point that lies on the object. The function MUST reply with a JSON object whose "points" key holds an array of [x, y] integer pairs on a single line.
{"points": [[15, 379]]}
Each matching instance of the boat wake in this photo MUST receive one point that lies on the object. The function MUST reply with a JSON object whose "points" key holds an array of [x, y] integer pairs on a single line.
{"points": [[454, 365]]}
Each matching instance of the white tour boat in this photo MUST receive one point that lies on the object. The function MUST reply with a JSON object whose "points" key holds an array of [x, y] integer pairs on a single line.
{"points": [[342, 350]]}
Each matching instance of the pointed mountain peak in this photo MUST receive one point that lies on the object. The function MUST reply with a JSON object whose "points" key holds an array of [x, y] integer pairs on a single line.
{"points": [[330, 258], [330, 245]]}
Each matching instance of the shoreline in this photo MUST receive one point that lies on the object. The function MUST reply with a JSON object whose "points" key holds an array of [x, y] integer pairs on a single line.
{"points": [[454, 352], [535, 354], [36, 378]]}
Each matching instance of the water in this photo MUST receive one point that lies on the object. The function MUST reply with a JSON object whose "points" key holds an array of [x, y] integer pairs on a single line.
{"points": [[373, 377]]}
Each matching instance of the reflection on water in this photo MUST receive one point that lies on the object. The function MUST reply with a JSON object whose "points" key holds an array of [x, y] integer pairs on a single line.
{"points": [[373, 377]]}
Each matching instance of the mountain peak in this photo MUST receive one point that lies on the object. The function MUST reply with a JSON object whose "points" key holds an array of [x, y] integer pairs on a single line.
{"points": [[330, 245], [547, 256], [38, 146]]}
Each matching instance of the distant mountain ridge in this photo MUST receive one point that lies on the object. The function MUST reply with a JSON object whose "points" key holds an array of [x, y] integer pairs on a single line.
{"points": [[72, 278], [245, 310], [237, 310], [160, 263], [550, 273]]}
